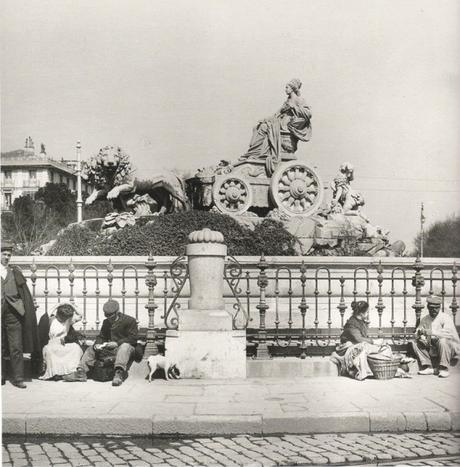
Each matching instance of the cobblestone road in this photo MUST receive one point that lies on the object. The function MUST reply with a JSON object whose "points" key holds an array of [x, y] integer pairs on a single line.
{"points": [[243, 450]]}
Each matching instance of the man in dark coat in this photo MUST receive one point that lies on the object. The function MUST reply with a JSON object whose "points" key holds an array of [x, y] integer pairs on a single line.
{"points": [[118, 336], [19, 321]]}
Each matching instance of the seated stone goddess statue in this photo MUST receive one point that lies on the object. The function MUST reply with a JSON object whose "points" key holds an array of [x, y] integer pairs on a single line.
{"points": [[293, 119]]}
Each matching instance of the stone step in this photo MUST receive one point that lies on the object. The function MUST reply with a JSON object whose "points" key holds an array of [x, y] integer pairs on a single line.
{"points": [[289, 367]]}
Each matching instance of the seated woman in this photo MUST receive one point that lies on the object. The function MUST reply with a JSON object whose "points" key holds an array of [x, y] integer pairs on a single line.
{"points": [[294, 118], [355, 345], [60, 356]]}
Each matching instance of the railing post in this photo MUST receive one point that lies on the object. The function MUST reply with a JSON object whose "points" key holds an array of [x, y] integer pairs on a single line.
{"points": [[262, 282], [454, 304], [33, 278], [342, 305], [380, 306], [151, 281], [418, 282], [110, 269], [71, 281], [303, 307]]}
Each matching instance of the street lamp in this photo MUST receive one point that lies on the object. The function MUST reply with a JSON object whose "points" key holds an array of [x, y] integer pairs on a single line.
{"points": [[422, 221], [79, 198]]}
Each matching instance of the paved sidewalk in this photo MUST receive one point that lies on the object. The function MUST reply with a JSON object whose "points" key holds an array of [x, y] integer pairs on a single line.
{"points": [[216, 407], [241, 450]]}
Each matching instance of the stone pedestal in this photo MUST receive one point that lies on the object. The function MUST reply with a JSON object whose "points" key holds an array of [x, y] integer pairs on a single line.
{"points": [[205, 344], [208, 354]]}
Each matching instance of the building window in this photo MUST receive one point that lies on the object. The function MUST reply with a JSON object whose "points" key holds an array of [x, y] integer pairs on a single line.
{"points": [[61, 179], [33, 174], [74, 185], [7, 201], [8, 174]]}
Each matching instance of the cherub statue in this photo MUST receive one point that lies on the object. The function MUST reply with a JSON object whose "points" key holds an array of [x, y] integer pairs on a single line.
{"points": [[344, 198]]}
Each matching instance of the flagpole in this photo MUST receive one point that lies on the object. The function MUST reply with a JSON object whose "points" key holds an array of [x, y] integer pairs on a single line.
{"points": [[422, 221]]}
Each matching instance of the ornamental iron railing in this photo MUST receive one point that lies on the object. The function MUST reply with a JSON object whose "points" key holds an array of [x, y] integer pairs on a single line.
{"points": [[288, 306]]}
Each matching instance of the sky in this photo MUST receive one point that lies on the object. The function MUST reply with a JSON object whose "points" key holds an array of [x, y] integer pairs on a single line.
{"points": [[180, 85]]}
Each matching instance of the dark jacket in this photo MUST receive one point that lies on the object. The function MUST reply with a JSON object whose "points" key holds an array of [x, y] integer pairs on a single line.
{"points": [[355, 331], [30, 342], [124, 329]]}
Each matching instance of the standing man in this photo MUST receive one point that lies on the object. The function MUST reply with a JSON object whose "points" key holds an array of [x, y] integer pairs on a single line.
{"points": [[19, 321], [436, 340], [118, 337]]}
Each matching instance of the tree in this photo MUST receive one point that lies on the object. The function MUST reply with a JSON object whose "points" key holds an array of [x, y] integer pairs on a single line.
{"points": [[29, 225], [33, 222], [441, 239], [60, 201]]}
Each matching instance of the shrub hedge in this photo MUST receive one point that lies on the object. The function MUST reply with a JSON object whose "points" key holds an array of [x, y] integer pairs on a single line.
{"points": [[75, 240], [167, 235]]}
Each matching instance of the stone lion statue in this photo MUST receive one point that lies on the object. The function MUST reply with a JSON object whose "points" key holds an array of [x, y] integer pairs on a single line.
{"points": [[110, 171]]}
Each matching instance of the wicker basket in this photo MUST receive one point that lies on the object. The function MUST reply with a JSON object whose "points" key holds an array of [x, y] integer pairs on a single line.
{"points": [[383, 369]]}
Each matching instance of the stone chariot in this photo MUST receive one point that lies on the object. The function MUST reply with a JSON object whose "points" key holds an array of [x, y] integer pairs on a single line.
{"points": [[294, 188]]}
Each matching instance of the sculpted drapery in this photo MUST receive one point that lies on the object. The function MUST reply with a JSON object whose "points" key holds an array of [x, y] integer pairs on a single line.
{"points": [[293, 118]]}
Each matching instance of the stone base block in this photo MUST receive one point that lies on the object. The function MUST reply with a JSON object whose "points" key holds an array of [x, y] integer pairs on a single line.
{"points": [[205, 320], [207, 354]]}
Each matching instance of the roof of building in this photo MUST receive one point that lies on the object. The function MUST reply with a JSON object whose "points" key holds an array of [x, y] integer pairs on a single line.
{"points": [[21, 158]]}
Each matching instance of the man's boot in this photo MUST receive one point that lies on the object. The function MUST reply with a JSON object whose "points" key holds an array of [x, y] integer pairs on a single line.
{"points": [[19, 384], [77, 376], [118, 378]]}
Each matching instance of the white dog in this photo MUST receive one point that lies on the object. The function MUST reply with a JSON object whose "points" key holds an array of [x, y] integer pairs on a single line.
{"points": [[156, 362]]}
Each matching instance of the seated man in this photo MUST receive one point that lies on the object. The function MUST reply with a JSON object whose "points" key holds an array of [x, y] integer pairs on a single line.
{"points": [[436, 340], [119, 335]]}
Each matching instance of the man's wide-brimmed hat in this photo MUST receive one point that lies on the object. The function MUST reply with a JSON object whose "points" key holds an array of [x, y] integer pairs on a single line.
{"points": [[434, 300], [7, 246], [111, 306]]}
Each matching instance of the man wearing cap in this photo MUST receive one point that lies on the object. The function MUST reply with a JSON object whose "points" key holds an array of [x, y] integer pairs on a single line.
{"points": [[119, 335], [436, 340], [19, 321]]}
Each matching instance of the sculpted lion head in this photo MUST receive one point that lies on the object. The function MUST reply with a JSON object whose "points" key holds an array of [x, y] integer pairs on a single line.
{"points": [[108, 168]]}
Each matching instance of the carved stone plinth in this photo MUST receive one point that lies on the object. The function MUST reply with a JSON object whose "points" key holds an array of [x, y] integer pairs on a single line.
{"points": [[205, 344]]}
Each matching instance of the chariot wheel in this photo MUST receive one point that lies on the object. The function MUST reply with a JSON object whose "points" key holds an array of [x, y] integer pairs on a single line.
{"points": [[296, 189], [232, 194]]}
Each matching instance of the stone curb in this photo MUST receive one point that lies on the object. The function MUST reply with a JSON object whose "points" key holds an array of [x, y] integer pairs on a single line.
{"points": [[206, 425]]}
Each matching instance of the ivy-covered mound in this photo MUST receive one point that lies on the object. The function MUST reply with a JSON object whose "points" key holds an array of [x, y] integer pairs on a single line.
{"points": [[167, 236]]}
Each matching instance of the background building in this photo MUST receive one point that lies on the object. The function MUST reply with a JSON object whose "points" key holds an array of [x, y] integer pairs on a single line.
{"points": [[23, 172]]}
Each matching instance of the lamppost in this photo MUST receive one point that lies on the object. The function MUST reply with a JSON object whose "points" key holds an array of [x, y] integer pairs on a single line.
{"points": [[79, 198], [422, 221]]}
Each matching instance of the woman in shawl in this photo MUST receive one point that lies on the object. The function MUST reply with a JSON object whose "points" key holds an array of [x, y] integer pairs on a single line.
{"points": [[355, 345], [60, 356]]}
